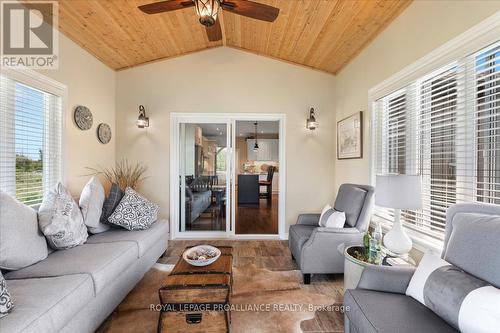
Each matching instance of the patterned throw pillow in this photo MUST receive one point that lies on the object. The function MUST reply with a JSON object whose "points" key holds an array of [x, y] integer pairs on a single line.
{"points": [[109, 205], [134, 212], [5, 300], [61, 220], [464, 301]]}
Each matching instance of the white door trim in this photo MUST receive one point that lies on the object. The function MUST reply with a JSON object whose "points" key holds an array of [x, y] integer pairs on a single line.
{"points": [[175, 119]]}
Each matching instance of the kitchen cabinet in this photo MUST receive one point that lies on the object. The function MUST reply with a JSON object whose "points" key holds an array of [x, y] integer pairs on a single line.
{"points": [[248, 189], [268, 150]]}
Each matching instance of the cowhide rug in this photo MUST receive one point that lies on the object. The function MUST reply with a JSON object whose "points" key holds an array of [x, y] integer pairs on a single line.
{"points": [[262, 300]]}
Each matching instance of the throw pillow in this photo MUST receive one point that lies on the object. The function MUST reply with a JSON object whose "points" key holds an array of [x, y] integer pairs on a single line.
{"points": [[21, 242], [61, 220], [325, 214], [331, 218], [5, 299], [91, 202], [109, 205], [336, 220], [134, 212], [464, 301]]}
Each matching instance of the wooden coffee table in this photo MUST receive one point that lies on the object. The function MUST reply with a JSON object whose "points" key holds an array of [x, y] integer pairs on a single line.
{"points": [[198, 299]]}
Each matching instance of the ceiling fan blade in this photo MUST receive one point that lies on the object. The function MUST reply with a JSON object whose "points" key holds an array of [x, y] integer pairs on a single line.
{"points": [[251, 9], [214, 32], [165, 6]]}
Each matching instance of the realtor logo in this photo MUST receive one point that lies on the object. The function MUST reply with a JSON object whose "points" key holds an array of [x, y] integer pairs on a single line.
{"points": [[28, 37]]}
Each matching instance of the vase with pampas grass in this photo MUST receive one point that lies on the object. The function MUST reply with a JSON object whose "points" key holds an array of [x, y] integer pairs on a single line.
{"points": [[123, 174]]}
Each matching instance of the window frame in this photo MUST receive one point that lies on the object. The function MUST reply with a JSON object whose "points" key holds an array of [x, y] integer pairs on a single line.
{"points": [[41, 82], [471, 41]]}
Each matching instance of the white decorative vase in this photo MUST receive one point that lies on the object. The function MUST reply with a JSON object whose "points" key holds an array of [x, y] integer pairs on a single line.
{"points": [[396, 240]]}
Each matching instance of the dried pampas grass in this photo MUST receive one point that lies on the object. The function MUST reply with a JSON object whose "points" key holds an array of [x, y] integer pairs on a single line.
{"points": [[123, 174]]}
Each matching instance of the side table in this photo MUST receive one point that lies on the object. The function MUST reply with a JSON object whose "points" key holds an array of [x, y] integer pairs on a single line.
{"points": [[354, 266]]}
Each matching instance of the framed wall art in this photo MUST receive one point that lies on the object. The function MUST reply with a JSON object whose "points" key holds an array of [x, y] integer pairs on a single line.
{"points": [[350, 137]]}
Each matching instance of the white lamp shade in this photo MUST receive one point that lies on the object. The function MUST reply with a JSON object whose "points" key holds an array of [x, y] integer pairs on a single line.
{"points": [[399, 191]]}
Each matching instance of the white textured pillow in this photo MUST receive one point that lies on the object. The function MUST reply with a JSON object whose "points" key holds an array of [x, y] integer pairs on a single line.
{"points": [[134, 212], [91, 201], [5, 299], [21, 242], [336, 220], [61, 220]]}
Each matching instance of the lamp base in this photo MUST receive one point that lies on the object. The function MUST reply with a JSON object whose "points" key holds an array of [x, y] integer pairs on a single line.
{"points": [[396, 240]]}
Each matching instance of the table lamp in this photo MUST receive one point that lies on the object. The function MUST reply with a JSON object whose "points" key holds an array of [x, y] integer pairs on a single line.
{"points": [[398, 192]]}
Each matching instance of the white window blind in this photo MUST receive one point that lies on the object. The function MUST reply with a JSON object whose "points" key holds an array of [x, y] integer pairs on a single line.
{"points": [[30, 140], [444, 126]]}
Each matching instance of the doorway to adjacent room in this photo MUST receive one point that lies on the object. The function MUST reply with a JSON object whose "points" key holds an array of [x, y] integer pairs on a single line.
{"points": [[227, 176]]}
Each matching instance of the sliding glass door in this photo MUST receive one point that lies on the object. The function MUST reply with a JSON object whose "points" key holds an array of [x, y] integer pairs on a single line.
{"points": [[204, 177], [227, 176]]}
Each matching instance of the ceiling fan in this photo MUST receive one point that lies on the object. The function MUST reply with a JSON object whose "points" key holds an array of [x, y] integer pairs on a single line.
{"points": [[207, 11]]}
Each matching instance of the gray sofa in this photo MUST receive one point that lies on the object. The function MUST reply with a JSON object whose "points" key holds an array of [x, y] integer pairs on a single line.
{"points": [[75, 290], [379, 303], [315, 248], [197, 203]]}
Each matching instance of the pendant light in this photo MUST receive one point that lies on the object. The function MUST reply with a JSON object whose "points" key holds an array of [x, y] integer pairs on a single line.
{"points": [[256, 145]]}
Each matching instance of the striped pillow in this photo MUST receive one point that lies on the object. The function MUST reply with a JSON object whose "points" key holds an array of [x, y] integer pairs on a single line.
{"points": [[325, 214], [467, 303], [330, 218]]}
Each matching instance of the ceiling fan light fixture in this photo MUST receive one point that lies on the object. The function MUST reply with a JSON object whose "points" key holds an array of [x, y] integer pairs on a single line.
{"points": [[207, 11]]}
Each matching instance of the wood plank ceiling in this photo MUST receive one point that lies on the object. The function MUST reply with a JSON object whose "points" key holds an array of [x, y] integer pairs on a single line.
{"points": [[321, 34]]}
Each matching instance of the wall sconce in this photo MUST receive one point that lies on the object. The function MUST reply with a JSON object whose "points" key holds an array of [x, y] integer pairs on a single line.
{"points": [[142, 121], [311, 122]]}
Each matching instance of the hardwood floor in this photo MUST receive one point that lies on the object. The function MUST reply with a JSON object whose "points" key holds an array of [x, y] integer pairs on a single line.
{"points": [[273, 255], [262, 219]]}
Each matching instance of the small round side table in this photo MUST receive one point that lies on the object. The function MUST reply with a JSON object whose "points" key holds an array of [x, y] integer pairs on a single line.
{"points": [[354, 266]]}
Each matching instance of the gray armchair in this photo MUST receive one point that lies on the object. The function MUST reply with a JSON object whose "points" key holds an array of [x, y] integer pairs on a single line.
{"points": [[379, 303], [314, 248]]}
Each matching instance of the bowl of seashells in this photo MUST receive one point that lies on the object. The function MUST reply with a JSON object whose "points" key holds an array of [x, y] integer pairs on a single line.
{"points": [[201, 255]]}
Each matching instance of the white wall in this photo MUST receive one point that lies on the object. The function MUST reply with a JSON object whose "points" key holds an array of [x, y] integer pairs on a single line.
{"points": [[90, 83], [422, 27], [228, 80]]}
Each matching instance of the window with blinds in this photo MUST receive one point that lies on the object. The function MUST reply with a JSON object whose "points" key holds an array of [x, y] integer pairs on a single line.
{"points": [[445, 127], [30, 141]]}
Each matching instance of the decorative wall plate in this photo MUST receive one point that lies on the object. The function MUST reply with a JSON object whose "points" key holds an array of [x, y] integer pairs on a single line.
{"points": [[83, 117], [104, 133]]}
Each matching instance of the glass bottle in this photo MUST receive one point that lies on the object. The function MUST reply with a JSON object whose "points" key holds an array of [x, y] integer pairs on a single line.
{"points": [[377, 235], [373, 250], [366, 244]]}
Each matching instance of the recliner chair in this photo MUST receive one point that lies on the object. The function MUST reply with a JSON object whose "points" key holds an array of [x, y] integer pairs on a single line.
{"points": [[314, 248], [379, 303]]}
